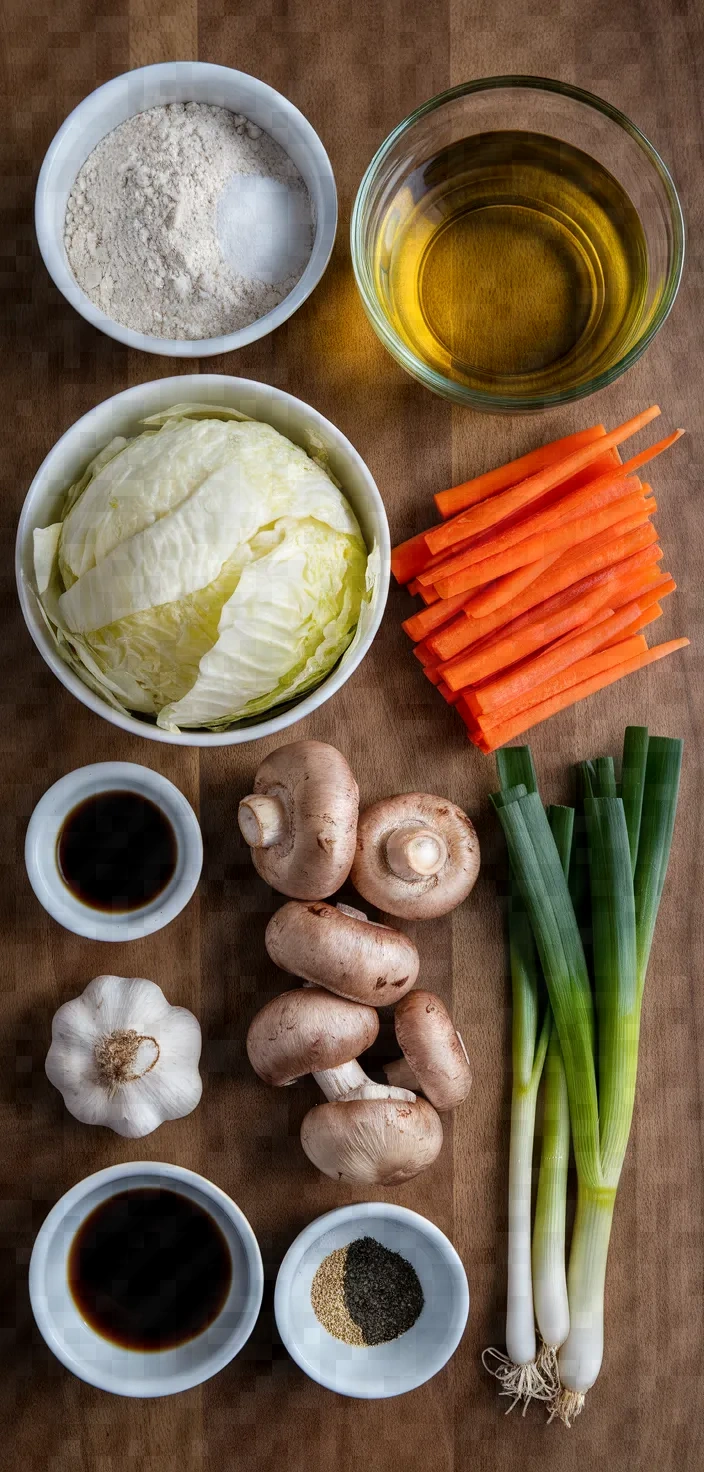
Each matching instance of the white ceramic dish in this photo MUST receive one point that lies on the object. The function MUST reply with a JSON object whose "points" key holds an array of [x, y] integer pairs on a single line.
{"points": [[133, 1372], [43, 870], [384, 1369], [123, 415], [152, 86]]}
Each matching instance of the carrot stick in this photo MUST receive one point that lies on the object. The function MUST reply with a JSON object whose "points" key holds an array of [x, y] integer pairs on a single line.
{"points": [[495, 594], [518, 684], [499, 734], [541, 545], [579, 503], [433, 617], [424, 654], [467, 630], [429, 596], [508, 648], [603, 551], [647, 616], [430, 672], [603, 659], [489, 513], [409, 558], [482, 486], [447, 694]]}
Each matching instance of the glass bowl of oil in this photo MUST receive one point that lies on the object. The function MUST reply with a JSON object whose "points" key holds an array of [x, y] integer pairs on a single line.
{"points": [[517, 243]]}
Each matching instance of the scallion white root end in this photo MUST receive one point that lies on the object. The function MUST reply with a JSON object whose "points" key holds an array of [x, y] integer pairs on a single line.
{"points": [[521, 1382], [566, 1406]]}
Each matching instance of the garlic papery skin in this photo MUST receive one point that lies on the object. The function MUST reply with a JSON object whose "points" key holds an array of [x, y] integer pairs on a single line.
{"points": [[123, 1057]]}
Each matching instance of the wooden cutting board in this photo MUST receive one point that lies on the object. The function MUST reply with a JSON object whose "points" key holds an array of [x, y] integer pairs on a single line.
{"points": [[355, 67]]}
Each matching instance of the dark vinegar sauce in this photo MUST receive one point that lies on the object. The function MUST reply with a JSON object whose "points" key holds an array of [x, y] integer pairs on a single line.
{"points": [[149, 1269], [116, 851]]}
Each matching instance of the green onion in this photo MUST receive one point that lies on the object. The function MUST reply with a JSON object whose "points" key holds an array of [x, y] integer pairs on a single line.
{"points": [[628, 838], [517, 1371], [548, 1257]]}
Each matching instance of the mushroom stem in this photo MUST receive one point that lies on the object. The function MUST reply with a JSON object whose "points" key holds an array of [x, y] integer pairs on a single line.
{"points": [[401, 1075], [414, 853], [263, 820], [349, 1081]]}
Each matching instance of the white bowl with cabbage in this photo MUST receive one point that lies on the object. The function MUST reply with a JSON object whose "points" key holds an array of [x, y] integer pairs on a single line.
{"points": [[203, 560]]}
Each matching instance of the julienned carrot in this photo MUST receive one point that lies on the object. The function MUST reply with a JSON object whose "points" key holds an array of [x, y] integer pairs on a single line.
{"points": [[498, 735], [489, 513], [541, 545], [497, 654], [567, 509], [518, 684], [627, 468], [592, 664], [433, 617], [647, 616], [594, 595], [493, 596], [482, 486], [468, 630], [602, 551]]}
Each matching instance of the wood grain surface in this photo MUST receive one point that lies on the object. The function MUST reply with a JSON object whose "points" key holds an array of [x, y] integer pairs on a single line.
{"points": [[355, 67]]}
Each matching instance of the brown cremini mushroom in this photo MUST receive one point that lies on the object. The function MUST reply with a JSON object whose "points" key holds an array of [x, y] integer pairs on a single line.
{"points": [[338, 948], [417, 856], [373, 1141], [311, 1031], [435, 1061], [300, 820], [307, 1030]]}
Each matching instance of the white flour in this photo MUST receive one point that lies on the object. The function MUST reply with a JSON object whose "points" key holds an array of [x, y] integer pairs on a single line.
{"points": [[188, 221]]}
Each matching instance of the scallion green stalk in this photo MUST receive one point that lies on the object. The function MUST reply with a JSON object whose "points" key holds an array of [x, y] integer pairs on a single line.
{"points": [[548, 1257]]}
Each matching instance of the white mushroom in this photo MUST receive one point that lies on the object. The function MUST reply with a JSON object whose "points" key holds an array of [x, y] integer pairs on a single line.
{"points": [[435, 1061], [300, 821], [417, 856], [338, 948]]}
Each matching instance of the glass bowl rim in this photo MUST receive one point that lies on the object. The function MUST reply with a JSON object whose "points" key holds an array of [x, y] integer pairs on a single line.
{"points": [[437, 382]]}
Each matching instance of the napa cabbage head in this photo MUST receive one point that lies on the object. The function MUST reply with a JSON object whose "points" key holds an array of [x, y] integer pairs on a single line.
{"points": [[203, 572]]}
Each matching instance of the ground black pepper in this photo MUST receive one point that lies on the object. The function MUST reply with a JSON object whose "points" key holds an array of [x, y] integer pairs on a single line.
{"points": [[365, 1294], [381, 1290]]}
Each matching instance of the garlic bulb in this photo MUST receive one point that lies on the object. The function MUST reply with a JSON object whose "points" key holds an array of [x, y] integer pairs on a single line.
{"points": [[123, 1057]]}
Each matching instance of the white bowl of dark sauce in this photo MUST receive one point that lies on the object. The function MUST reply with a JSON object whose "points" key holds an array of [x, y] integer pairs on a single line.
{"points": [[145, 1279], [113, 851]]}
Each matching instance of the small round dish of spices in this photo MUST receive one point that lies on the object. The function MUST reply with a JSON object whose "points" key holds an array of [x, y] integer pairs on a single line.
{"points": [[186, 209], [113, 851], [371, 1300]]}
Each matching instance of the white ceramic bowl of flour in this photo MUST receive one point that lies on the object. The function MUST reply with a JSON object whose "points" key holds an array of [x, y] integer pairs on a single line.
{"points": [[154, 86], [123, 415]]}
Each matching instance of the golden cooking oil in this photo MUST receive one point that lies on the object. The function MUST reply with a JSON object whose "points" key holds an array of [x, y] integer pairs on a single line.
{"points": [[514, 264]]}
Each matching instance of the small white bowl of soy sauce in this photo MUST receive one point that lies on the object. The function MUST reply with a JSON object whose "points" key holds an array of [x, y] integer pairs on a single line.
{"points": [[145, 1279], [113, 851]]}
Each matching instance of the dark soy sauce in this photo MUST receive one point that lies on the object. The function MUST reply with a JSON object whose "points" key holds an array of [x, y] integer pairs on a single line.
{"points": [[149, 1269], [116, 851]]}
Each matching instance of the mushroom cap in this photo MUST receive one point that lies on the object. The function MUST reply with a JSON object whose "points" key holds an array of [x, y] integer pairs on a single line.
{"points": [[373, 1141], [307, 1031], [332, 948], [318, 791], [431, 894], [433, 1048]]}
